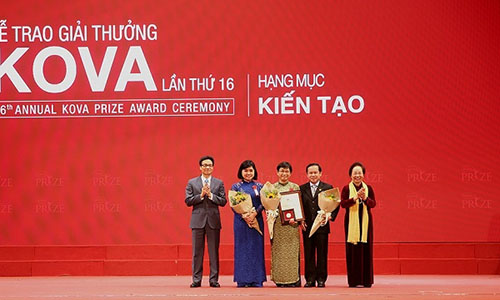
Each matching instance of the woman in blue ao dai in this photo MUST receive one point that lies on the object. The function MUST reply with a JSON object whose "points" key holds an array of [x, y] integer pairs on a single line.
{"points": [[249, 267]]}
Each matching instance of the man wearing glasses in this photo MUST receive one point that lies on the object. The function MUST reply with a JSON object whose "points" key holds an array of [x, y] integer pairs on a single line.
{"points": [[205, 194]]}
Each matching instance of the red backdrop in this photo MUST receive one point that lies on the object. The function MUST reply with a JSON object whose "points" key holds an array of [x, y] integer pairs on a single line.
{"points": [[426, 73]]}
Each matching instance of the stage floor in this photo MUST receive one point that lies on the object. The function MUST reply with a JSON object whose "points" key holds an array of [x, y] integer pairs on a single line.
{"points": [[408, 287]]}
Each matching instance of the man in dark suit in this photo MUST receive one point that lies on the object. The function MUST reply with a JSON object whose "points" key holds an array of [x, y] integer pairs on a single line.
{"points": [[315, 247], [205, 194]]}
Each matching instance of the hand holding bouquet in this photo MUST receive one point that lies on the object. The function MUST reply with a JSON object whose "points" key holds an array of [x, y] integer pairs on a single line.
{"points": [[270, 198], [328, 201], [242, 204]]}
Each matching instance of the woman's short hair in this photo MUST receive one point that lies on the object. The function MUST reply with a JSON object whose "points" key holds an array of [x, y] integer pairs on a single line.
{"points": [[247, 164], [284, 165], [357, 164]]}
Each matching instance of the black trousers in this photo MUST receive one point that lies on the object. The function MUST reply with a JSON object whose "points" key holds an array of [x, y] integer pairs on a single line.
{"points": [[198, 240], [316, 256], [359, 261]]}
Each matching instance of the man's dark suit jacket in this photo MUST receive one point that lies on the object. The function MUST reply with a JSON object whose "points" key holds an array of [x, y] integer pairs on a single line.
{"points": [[311, 208], [205, 210]]}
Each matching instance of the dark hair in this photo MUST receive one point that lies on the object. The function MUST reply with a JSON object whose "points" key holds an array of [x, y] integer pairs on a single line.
{"points": [[247, 164], [284, 165], [357, 164], [313, 164], [205, 158]]}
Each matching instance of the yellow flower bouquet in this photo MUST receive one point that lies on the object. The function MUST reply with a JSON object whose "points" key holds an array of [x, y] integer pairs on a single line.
{"points": [[242, 204], [270, 198], [328, 201]]}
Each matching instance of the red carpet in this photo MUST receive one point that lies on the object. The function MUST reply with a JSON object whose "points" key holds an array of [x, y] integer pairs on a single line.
{"points": [[410, 287]]}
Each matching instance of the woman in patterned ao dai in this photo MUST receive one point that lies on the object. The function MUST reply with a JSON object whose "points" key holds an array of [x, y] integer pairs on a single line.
{"points": [[285, 245]]}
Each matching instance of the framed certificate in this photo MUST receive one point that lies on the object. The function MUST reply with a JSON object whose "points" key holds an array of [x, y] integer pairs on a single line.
{"points": [[291, 207]]}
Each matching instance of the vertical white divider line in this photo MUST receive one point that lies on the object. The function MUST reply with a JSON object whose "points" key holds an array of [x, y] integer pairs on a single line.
{"points": [[248, 95]]}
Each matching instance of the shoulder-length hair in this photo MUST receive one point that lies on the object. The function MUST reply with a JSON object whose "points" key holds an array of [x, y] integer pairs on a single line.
{"points": [[247, 164]]}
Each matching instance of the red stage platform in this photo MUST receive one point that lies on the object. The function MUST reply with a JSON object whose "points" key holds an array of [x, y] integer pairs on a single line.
{"points": [[169, 260]]}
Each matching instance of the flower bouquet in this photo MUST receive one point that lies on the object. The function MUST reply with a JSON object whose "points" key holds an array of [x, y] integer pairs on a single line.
{"points": [[270, 198], [328, 201], [241, 203]]}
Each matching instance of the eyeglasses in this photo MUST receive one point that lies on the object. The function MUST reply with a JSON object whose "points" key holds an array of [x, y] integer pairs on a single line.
{"points": [[207, 166]]}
